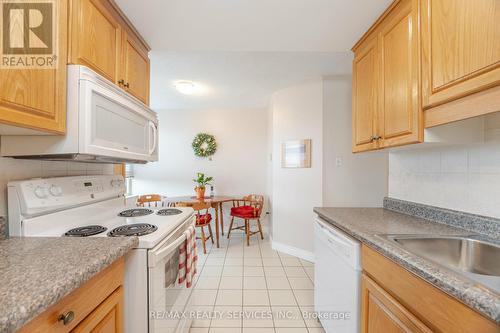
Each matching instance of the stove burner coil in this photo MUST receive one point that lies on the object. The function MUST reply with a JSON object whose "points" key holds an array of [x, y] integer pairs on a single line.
{"points": [[85, 231], [168, 212], [138, 229], [135, 212]]}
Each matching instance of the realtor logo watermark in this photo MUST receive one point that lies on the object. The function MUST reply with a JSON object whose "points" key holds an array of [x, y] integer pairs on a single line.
{"points": [[251, 315], [29, 34]]}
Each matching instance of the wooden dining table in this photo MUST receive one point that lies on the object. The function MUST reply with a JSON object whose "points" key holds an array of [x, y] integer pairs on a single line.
{"points": [[215, 202]]}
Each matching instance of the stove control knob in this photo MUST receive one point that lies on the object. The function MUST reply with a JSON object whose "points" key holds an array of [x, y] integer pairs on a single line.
{"points": [[55, 190], [41, 192]]}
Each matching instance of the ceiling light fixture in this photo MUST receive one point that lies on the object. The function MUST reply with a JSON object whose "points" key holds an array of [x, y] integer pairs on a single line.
{"points": [[186, 87]]}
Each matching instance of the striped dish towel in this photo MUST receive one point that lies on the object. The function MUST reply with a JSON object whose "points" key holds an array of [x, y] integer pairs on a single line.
{"points": [[188, 258]]}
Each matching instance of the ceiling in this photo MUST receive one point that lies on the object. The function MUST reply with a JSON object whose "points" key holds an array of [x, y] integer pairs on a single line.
{"points": [[241, 51], [235, 80]]}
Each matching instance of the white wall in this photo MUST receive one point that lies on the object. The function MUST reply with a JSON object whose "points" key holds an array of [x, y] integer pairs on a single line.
{"points": [[239, 166], [319, 110], [297, 114], [12, 169], [349, 180]]}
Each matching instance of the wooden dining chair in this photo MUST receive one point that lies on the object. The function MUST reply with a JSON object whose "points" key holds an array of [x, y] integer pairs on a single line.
{"points": [[249, 208], [150, 200], [203, 219]]}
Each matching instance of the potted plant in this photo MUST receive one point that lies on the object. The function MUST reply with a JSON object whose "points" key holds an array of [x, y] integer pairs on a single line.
{"points": [[201, 182]]}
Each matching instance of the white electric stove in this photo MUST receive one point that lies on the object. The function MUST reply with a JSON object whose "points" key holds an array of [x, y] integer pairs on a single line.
{"points": [[95, 206]]}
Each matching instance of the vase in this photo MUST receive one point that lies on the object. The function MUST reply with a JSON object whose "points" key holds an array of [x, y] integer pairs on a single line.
{"points": [[200, 192]]}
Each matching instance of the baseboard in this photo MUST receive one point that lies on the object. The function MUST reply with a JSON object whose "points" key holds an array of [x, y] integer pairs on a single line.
{"points": [[293, 251]]}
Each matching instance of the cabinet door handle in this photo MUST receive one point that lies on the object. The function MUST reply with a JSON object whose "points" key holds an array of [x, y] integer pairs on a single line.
{"points": [[126, 85], [121, 82], [67, 317]]}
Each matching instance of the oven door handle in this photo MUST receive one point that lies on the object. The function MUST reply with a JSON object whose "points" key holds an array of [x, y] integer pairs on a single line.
{"points": [[155, 256]]}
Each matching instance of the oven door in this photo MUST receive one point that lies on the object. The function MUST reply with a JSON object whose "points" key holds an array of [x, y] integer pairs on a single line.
{"points": [[168, 300]]}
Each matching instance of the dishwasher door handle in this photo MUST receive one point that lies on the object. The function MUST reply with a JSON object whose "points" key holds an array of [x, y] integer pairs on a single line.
{"points": [[339, 243], [333, 236]]}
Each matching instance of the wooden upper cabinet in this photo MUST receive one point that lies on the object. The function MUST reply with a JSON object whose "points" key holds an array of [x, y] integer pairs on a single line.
{"points": [[103, 39], [441, 57], [135, 68], [36, 98], [365, 97], [386, 67], [400, 116], [461, 48], [95, 37], [381, 313]]}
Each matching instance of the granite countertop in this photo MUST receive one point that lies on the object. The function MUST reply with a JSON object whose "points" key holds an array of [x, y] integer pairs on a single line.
{"points": [[36, 273], [365, 223], [3, 228]]}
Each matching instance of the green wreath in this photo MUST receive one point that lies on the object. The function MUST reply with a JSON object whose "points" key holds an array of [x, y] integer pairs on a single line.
{"points": [[204, 145]]}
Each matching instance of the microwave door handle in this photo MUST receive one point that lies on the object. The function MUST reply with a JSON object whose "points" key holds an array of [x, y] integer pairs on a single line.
{"points": [[152, 128], [154, 257]]}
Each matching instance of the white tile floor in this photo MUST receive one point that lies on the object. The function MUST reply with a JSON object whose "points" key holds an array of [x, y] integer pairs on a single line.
{"points": [[270, 290]]}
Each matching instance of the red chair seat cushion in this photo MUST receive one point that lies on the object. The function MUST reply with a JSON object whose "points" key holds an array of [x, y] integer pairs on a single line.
{"points": [[203, 219], [245, 212]]}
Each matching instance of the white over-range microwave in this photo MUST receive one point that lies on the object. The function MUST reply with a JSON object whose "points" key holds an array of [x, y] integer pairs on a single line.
{"points": [[104, 125]]}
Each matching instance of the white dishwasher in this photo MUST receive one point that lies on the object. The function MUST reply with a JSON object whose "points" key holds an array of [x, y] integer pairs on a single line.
{"points": [[336, 279]]}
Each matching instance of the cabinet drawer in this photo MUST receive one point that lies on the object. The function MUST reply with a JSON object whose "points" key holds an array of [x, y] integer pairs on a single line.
{"points": [[437, 310], [81, 302]]}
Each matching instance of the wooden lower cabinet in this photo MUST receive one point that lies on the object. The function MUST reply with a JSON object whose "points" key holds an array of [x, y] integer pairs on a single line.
{"points": [[106, 318], [381, 313], [96, 306], [396, 300]]}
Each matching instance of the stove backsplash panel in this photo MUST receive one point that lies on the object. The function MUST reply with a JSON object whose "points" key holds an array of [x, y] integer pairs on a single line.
{"points": [[13, 169]]}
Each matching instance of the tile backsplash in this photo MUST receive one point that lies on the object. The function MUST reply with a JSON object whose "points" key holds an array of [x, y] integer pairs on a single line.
{"points": [[13, 169], [464, 178]]}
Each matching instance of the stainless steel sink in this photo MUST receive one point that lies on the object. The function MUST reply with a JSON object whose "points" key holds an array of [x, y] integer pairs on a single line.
{"points": [[476, 258]]}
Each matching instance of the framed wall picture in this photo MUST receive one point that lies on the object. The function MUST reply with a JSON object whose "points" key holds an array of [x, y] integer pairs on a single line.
{"points": [[296, 154]]}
